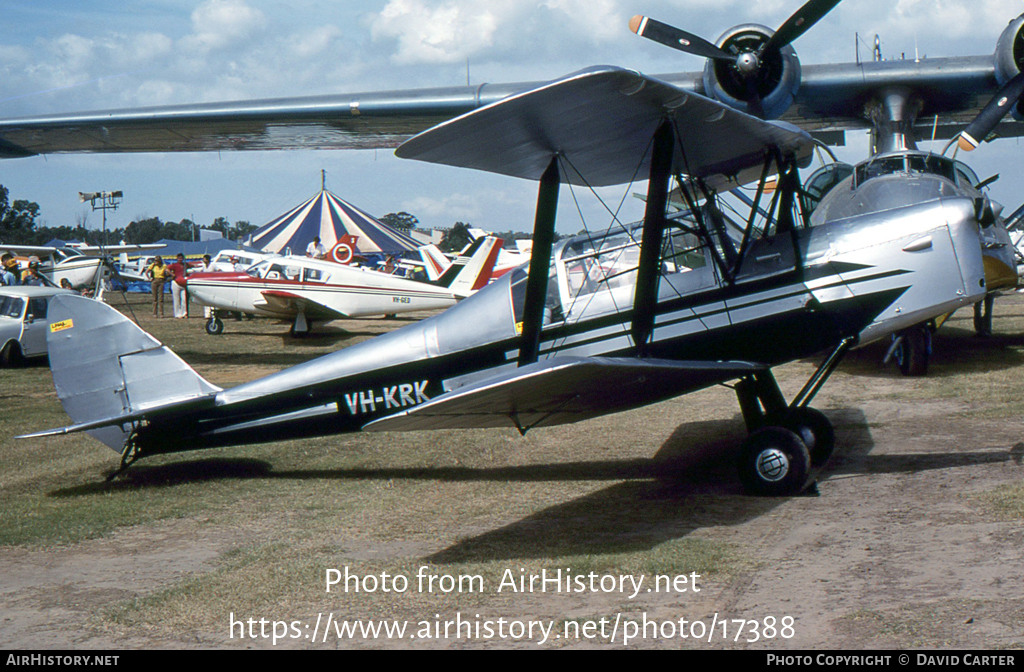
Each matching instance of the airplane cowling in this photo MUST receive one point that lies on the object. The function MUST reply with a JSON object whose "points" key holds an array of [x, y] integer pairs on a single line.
{"points": [[1009, 59], [776, 84]]}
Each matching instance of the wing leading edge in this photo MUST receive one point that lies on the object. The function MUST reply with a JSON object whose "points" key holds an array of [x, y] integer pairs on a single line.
{"points": [[601, 121], [561, 390]]}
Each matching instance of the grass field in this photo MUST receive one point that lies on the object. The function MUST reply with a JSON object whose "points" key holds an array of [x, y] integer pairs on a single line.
{"points": [[650, 492]]}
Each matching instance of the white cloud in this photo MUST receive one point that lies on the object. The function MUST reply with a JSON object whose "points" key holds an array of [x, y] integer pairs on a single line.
{"points": [[221, 23], [431, 32], [316, 41]]}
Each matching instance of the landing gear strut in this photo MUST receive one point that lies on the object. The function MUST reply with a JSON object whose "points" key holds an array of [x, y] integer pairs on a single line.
{"points": [[787, 441]]}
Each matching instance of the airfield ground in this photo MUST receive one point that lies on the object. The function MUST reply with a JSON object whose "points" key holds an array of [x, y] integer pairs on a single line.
{"points": [[915, 538]]}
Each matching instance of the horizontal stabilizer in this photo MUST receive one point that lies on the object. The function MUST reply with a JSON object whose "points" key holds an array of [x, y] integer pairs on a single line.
{"points": [[109, 371], [561, 390]]}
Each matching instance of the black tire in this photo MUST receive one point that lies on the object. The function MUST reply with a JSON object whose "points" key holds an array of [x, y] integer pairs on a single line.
{"points": [[10, 355], [774, 462], [215, 326], [815, 430], [912, 352], [983, 317]]}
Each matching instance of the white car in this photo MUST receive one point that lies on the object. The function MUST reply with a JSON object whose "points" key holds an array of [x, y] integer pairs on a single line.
{"points": [[23, 322]]}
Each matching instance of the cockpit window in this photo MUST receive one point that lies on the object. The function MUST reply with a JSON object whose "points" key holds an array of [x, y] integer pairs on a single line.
{"points": [[932, 165], [967, 176], [927, 164], [258, 270], [883, 166]]}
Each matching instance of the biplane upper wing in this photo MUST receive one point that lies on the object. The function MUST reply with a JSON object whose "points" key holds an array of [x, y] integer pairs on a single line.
{"points": [[289, 302], [601, 121], [561, 390]]}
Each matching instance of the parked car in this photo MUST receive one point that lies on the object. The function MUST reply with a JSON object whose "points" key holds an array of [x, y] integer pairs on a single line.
{"points": [[23, 322]]}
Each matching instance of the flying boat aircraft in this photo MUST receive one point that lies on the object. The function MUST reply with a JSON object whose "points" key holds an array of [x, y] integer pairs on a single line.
{"points": [[602, 322], [305, 290]]}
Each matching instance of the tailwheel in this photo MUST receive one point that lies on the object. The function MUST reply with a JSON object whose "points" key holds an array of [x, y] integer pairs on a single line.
{"points": [[814, 429], [774, 462]]}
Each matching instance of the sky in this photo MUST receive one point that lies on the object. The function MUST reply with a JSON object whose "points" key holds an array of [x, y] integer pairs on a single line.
{"points": [[79, 55]]}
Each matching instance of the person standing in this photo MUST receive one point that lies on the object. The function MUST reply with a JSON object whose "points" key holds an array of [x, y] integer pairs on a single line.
{"points": [[8, 269], [159, 274], [179, 297], [316, 249], [30, 276]]}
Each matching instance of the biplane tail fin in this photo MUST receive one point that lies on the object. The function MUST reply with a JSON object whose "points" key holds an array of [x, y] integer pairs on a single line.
{"points": [[110, 374], [472, 270]]}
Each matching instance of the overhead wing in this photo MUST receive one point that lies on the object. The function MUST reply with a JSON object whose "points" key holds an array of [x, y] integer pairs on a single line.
{"points": [[346, 121], [601, 121], [561, 390], [28, 250], [279, 301], [831, 100], [98, 250]]}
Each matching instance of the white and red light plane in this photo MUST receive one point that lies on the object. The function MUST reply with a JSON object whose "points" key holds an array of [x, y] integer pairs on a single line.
{"points": [[305, 290]]}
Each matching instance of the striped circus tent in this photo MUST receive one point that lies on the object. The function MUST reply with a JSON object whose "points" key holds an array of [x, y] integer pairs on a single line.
{"points": [[329, 217]]}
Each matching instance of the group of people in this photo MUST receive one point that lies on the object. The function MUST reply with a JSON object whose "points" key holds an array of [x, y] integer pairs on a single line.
{"points": [[175, 273], [12, 274]]}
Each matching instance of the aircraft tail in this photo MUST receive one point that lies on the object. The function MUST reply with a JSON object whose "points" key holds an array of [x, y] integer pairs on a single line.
{"points": [[434, 261], [110, 374], [472, 270]]}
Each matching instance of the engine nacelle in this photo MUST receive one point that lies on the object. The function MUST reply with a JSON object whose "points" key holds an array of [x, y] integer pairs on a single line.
{"points": [[1009, 59], [776, 82]]}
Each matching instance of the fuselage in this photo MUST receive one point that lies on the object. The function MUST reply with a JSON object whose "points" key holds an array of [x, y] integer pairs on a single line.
{"points": [[327, 290], [870, 268]]}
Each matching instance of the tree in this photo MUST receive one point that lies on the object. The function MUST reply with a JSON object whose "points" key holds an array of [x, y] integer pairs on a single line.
{"points": [[17, 220], [456, 237], [401, 221], [143, 231]]}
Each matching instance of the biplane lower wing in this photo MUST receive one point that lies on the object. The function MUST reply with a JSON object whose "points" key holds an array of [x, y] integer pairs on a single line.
{"points": [[562, 390], [288, 302], [601, 121]]}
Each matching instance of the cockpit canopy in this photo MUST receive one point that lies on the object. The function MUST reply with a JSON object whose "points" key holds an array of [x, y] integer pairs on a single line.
{"points": [[924, 177]]}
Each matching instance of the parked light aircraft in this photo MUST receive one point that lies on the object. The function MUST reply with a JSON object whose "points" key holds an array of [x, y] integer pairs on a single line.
{"points": [[602, 322], [82, 265], [304, 289]]}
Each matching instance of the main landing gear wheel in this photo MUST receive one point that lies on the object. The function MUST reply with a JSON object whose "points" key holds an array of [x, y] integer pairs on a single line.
{"points": [[215, 326], [814, 429], [10, 355], [774, 462], [912, 351]]}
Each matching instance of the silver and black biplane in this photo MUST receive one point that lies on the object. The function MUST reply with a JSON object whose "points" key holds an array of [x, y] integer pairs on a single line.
{"points": [[598, 323]]}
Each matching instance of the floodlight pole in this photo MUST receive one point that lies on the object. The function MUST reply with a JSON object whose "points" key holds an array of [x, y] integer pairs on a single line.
{"points": [[108, 200]]}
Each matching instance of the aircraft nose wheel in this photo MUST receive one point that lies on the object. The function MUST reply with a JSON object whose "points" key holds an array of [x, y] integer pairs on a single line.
{"points": [[774, 462], [215, 326]]}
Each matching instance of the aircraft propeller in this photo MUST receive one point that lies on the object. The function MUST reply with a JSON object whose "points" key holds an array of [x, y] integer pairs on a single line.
{"points": [[992, 114], [751, 61]]}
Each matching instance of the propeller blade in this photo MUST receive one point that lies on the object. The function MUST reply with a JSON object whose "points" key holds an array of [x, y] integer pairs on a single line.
{"points": [[992, 114], [673, 37], [798, 24]]}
